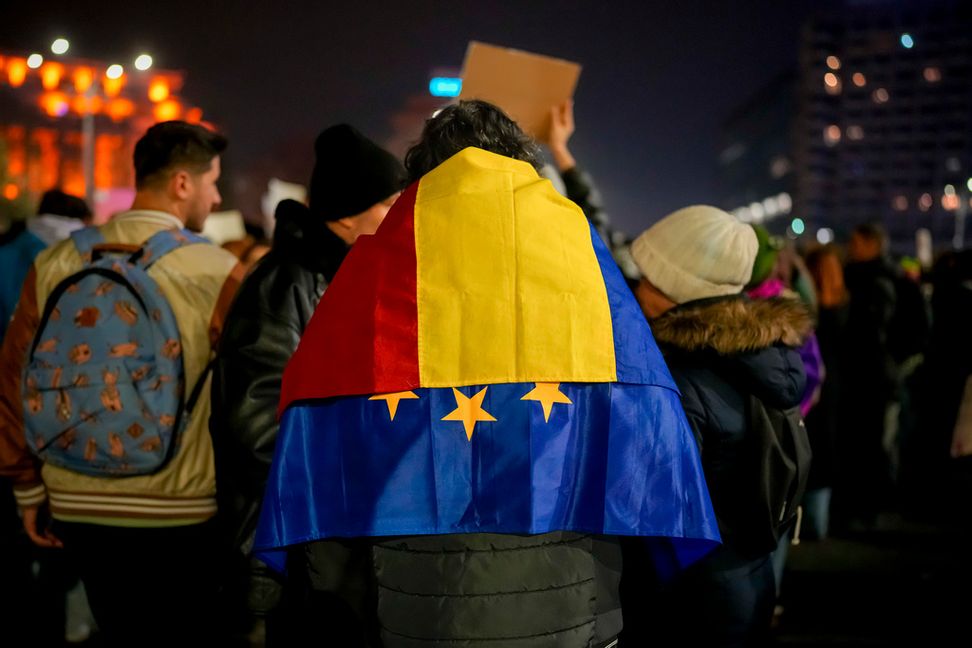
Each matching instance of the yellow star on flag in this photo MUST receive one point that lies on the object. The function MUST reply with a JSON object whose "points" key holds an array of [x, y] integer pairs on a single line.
{"points": [[547, 394], [469, 410], [392, 400]]}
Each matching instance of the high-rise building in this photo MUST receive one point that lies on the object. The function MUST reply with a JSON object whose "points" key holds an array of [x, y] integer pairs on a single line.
{"points": [[882, 126], [756, 179]]}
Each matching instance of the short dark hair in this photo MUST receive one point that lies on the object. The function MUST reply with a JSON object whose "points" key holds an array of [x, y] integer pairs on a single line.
{"points": [[172, 144], [59, 203], [469, 123], [872, 232]]}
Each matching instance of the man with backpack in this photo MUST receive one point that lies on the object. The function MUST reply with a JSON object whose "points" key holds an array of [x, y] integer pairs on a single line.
{"points": [[741, 381], [104, 400]]}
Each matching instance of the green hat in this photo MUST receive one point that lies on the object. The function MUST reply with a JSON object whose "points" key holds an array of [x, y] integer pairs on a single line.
{"points": [[766, 254]]}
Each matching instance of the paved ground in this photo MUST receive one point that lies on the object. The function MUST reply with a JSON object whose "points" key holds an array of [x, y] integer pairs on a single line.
{"points": [[908, 581]]}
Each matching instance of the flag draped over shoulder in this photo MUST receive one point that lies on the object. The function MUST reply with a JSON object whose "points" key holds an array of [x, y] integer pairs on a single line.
{"points": [[479, 365]]}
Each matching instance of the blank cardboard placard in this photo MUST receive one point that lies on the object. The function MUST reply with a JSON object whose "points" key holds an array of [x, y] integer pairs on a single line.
{"points": [[525, 85]]}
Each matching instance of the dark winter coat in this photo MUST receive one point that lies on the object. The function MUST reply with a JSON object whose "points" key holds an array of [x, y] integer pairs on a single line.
{"points": [[824, 420], [262, 329], [556, 590], [872, 376], [719, 352]]}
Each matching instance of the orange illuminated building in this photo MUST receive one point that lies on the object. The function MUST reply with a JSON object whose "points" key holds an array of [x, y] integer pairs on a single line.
{"points": [[43, 112]]}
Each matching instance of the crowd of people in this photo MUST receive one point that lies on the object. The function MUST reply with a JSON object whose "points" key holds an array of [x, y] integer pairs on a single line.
{"points": [[191, 431]]}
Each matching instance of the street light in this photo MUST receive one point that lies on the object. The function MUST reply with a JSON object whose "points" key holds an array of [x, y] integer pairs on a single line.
{"points": [[114, 71], [34, 61], [143, 62], [60, 46]]}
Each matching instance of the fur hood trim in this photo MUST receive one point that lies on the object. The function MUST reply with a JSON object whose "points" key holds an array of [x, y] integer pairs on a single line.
{"points": [[735, 325]]}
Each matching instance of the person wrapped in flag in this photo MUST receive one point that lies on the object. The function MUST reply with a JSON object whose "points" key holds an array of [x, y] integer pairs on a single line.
{"points": [[475, 414]]}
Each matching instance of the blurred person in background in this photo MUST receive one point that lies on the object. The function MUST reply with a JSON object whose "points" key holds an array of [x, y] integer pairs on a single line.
{"points": [[25, 567], [249, 249], [824, 422], [58, 214], [886, 335]]}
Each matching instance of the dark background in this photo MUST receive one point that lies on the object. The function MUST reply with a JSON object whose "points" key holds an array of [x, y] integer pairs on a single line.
{"points": [[658, 77]]}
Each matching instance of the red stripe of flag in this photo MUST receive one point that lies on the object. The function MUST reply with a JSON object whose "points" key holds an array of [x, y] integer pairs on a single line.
{"points": [[337, 355]]}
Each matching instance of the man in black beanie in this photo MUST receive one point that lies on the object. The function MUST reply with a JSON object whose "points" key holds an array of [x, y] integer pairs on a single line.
{"points": [[352, 187]]}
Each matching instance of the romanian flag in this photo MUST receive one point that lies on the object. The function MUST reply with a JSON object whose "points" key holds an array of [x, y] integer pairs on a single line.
{"points": [[479, 366]]}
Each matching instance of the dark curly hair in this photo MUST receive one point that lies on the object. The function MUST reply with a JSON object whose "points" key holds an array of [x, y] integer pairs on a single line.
{"points": [[469, 123]]}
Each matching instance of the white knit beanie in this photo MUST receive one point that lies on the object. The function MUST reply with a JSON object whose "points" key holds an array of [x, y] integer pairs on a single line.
{"points": [[695, 253]]}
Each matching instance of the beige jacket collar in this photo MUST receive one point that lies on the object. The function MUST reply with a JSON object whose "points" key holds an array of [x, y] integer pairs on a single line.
{"points": [[164, 219]]}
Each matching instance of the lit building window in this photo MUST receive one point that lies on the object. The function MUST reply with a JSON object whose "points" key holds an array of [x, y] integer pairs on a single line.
{"points": [[925, 202], [831, 83], [880, 96], [859, 79], [832, 135], [833, 62], [855, 132], [779, 167], [900, 203], [932, 74]]}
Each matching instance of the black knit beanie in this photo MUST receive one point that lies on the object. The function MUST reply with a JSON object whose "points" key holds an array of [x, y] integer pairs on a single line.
{"points": [[351, 173]]}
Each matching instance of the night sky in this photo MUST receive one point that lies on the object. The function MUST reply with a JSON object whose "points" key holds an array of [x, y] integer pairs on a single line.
{"points": [[659, 76]]}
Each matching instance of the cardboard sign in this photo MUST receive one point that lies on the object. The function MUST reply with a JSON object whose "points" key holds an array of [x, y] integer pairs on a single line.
{"points": [[526, 86]]}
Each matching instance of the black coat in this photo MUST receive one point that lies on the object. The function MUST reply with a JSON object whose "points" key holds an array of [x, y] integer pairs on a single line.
{"points": [[872, 376], [556, 590], [824, 422], [264, 325]]}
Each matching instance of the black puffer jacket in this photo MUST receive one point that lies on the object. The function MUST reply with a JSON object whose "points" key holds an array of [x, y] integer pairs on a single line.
{"points": [[719, 352], [262, 330], [556, 590]]}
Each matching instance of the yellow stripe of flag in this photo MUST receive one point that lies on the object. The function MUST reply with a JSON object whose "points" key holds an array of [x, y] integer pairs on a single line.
{"points": [[509, 287]]}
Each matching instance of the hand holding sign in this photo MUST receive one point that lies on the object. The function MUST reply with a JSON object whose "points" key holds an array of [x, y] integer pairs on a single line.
{"points": [[524, 85], [561, 128]]}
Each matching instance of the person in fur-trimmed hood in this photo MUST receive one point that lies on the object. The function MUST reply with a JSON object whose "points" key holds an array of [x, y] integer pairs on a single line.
{"points": [[721, 347]]}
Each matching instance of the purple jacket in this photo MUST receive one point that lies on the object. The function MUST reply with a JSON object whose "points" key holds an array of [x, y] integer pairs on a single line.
{"points": [[809, 352]]}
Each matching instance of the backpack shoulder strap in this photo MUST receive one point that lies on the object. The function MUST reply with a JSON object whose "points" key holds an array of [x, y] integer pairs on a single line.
{"points": [[85, 239], [161, 243]]}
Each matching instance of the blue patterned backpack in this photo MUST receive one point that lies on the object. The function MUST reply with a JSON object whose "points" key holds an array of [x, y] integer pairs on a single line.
{"points": [[103, 385]]}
